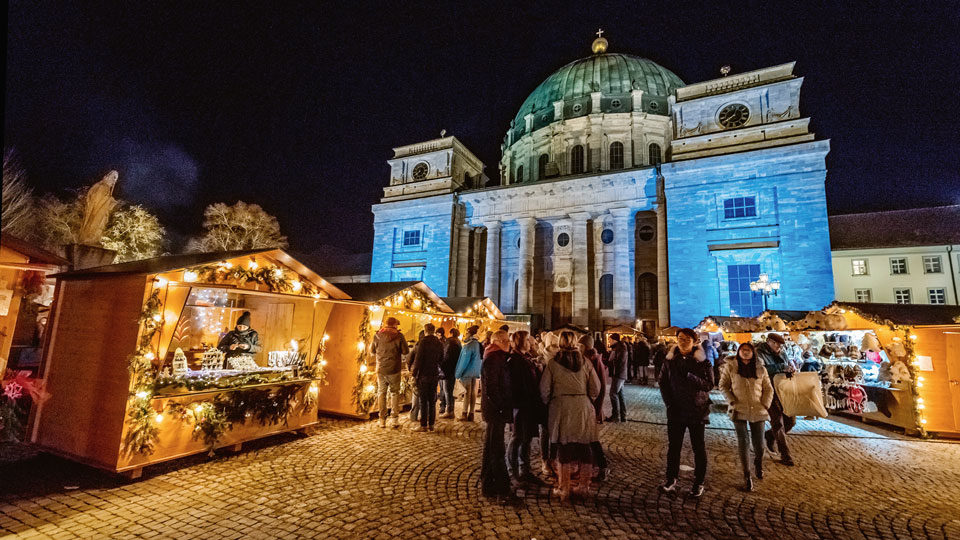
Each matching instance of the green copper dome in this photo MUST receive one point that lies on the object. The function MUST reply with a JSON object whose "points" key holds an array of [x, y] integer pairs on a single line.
{"points": [[614, 75]]}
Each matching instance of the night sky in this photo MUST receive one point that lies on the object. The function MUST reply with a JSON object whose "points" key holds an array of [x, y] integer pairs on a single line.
{"points": [[297, 108]]}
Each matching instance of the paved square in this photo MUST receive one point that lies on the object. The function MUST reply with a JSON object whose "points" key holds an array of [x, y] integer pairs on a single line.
{"points": [[354, 480]]}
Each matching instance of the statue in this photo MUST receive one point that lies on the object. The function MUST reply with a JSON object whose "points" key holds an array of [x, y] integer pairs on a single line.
{"points": [[98, 205]]}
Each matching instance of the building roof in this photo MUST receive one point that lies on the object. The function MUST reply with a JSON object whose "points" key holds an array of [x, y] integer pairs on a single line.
{"points": [[906, 314], [897, 228], [612, 73], [35, 253], [380, 290], [460, 304]]}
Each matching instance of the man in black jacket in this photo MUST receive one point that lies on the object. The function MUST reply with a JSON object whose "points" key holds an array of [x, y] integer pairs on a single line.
{"points": [[240, 341], [685, 382], [497, 408], [426, 371], [619, 364], [451, 353]]}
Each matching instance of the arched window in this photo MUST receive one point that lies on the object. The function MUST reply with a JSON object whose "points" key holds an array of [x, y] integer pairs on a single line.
{"points": [[544, 159], [606, 291], [576, 160], [616, 155], [655, 158], [647, 291], [519, 174]]}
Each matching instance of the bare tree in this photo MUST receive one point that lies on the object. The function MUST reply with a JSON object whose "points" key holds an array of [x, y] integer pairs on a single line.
{"points": [[241, 226], [17, 198], [134, 233], [58, 222]]}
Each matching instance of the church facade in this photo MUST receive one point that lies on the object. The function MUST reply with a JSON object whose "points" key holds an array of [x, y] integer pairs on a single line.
{"points": [[623, 194]]}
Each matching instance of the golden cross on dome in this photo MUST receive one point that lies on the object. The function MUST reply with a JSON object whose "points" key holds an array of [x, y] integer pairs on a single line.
{"points": [[600, 32]]}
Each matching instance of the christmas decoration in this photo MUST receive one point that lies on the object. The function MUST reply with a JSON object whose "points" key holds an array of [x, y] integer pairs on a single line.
{"points": [[275, 278], [179, 362]]}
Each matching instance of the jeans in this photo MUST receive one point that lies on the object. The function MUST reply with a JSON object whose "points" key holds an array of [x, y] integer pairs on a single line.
{"points": [[780, 425], [415, 404], [494, 479], [618, 406], [427, 390], [388, 384], [675, 431], [447, 400], [756, 439], [518, 452], [470, 400]]}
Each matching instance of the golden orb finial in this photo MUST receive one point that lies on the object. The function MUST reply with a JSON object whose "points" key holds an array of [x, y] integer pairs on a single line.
{"points": [[600, 44]]}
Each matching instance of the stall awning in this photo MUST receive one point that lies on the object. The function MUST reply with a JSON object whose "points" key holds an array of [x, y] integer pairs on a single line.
{"points": [[37, 255], [383, 290], [460, 304]]}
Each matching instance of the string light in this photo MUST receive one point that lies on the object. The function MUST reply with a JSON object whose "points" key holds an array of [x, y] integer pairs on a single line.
{"points": [[326, 338], [295, 286], [371, 388], [363, 368], [149, 355], [189, 276], [158, 418], [161, 282], [142, 394], [252, 264], [361, 346]]}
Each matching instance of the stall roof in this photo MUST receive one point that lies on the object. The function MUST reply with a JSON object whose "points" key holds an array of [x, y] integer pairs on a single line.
{"points": [[460, 304], [785, 315], [907, 314], [380, 290], [35, 253], [169, 263]]}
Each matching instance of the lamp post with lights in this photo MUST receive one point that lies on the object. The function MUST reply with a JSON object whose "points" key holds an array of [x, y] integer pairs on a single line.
{"points": [[765, 287]]}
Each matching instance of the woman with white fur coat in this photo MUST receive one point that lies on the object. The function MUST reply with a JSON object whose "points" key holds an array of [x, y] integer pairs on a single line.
{"points": [[746, 384]]}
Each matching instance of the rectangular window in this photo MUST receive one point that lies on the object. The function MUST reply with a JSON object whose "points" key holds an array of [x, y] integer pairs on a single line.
{"points": [[898, 265], [743, 301], [740, 207], [932, 265], [411, 238], [937, 296], [901, 296], [863, 295], [859, 267]]}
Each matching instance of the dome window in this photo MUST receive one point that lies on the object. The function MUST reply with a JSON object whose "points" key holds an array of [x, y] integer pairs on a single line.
{"points": [[607, 236], [563, 239], [420, 171], [615, 104], [733, 115], [616, 155], [577, 108], [576, 159]]}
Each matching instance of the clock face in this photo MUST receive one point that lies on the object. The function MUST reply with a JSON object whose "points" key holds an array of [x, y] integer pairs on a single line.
{"points": [[420, 171], [734, 115]]}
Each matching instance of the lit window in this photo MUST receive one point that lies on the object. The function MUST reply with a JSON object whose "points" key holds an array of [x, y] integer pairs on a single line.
{"points": [[743, 301], [576, 160], [863, 295], [606, 291], [654, 150], [616, 155], [544, 159], [411, 238], [606, 236], [898, 265], [739, 207], [859, 267], [902, 296], [932, 265], [937, 296]]}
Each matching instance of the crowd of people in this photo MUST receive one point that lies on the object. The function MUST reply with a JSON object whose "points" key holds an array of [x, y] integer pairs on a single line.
{"points": [[553, 387]]}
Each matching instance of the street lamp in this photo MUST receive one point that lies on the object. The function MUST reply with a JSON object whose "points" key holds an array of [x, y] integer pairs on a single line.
{"points": [[764, 286]]}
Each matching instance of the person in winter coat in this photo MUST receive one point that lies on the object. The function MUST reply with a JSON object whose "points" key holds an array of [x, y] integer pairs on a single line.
{"points": [[590, 355], [468, 371], [389, 346], [713, 356], [619, 362], [495, 402], [527, 407], [448, 369], [658, 354], [685, 382], [568, 386], [426, 372], [641, 354], [415, 398], [746, 385], [239, 341], [775, 360]]}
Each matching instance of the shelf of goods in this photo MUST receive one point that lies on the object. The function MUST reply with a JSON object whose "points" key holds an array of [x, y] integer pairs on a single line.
{"points": [[134, 371]]}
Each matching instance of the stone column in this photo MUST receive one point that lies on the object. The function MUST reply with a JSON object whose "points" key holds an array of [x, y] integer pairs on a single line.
{"points": [[663, 265], [463, 261], [581, 272], [528, 227], [491, 286], [623, 273]]}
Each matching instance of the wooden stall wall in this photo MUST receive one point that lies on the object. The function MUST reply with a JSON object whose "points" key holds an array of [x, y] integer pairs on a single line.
{"points": [[937, 392], [8, 279], [85, 374], [342, 326]]}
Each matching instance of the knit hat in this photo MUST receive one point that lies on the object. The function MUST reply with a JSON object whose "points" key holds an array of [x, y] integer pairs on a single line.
{"points": [[777, 338], [244, 319]]}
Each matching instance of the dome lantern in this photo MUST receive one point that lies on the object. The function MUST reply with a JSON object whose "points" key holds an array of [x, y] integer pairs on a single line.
{"points": [[600, 44]]}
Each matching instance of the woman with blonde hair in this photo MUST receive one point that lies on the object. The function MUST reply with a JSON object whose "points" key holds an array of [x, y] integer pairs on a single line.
{"points": [[569, 385]]}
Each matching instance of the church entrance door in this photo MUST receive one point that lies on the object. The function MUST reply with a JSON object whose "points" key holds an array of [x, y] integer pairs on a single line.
{"points": [[561, 311]]}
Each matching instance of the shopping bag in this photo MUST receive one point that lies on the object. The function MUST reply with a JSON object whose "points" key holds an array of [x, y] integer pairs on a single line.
{"points": [[800, 395]]}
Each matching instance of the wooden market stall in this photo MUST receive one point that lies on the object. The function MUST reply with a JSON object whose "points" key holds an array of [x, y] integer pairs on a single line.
{"points": [[353, 383], [133, 368], [896, 364]]}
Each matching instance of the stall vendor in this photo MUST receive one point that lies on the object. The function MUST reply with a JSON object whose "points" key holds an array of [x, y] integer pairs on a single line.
{"points": [[240, 340]]}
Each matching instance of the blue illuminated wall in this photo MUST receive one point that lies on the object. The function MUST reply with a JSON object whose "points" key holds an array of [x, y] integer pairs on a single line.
{"points": [[785, 231]]}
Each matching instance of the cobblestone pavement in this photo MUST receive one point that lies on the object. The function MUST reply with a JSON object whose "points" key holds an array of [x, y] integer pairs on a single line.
{"points": [[354, 480]]}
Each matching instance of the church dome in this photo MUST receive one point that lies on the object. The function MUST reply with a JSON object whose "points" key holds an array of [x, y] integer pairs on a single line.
{"points": [[614, 75]]}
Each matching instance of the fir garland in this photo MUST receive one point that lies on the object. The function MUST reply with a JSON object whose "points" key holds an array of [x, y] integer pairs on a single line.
{"points": [[142, 432], [273, 277]]}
